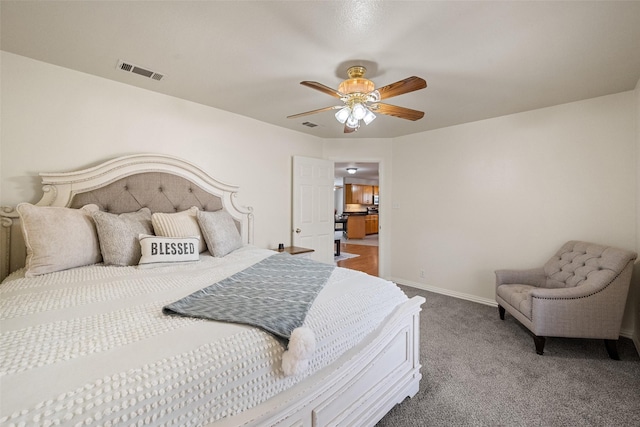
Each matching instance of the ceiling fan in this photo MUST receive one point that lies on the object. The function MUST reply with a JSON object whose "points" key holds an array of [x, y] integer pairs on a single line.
{"points": [[361, 99]]}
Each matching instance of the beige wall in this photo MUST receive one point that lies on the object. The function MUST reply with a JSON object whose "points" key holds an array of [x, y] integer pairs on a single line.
{"points": [[507, 192], [55, 119]]}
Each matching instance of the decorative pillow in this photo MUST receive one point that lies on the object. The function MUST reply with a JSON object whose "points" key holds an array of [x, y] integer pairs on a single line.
{"points": [[220, 232], [181, 224], [58, 238], [118, 235], [159, 250]]}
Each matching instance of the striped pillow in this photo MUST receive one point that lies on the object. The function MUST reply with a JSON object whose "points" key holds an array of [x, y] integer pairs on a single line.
{"points": [[181, 224]]}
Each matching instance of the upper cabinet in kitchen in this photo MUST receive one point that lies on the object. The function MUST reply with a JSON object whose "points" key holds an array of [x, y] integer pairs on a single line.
{"points": [[359, 194]]}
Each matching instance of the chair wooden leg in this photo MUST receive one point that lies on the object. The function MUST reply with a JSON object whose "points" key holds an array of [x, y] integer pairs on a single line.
{"points": [[501, 311], [612, 348], [539, 342]]}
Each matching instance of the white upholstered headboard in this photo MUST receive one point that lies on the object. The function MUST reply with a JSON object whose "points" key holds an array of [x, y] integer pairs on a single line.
{"points": [[125, 184]]}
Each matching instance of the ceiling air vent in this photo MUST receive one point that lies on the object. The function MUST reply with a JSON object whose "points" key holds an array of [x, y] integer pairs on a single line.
{"points": [[130, 68], [309, 124]]}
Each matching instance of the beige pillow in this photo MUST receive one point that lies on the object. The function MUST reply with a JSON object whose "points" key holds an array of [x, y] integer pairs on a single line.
{"points": [[160, 250], [118, 235], [181, 224], [220, 232], [58, 238]]}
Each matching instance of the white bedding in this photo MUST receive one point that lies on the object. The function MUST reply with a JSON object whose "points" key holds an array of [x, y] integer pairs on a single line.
{"points": [[90, 346]]}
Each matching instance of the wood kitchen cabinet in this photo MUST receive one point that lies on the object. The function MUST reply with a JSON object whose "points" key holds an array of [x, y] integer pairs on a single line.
{"points": [[367, 194], [353, 194], [358, 194], [371, 224], [356, 227]]}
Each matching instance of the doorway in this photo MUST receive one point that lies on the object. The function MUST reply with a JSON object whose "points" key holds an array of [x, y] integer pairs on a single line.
{"points": [[356, 196]]}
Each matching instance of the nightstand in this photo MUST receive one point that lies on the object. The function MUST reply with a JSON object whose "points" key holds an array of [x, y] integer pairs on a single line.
{"points": [[297, 251]]}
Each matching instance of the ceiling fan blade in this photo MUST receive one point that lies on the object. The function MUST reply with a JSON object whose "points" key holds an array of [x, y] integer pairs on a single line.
{"points": [[319, 110], [403, 86], [322, 88], [347, 129], [395, 111]]}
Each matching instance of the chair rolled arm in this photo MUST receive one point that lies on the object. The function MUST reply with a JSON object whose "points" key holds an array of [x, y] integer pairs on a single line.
{"points": [[532, 276], [580, 291]]}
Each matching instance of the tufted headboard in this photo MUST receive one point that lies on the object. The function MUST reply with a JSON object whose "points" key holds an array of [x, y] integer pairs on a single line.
{"points": [[158, 191], [125, 184]]}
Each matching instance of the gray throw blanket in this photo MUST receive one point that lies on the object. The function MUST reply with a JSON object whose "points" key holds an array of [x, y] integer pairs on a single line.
{"points": [[274, 294]]}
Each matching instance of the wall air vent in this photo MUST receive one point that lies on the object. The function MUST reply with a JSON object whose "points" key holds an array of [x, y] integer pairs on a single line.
{"points": [[309, 124], [130, 68]]}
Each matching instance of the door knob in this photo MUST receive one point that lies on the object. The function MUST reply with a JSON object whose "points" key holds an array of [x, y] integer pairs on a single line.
{"points": [[298, 230]]}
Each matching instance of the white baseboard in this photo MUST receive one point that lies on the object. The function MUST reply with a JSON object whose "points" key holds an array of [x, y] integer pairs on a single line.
{"points": [[443, 291], [626, 333], [629, 333]]}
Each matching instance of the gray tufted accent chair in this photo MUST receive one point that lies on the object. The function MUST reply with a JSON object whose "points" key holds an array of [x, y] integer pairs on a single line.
{"points": [[580, 292]]}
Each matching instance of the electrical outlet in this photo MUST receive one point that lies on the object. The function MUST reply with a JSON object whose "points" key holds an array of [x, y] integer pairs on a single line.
{"points": [[422, 274]]}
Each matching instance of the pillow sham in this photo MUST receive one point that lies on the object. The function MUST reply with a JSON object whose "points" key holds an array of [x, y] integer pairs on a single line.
{"points": [[162, 250], [181, 224], [118, 235], [58, 238], [220, 232]]}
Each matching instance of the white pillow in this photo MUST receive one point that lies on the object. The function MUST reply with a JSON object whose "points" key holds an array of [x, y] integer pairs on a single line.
{"points": [[220, 232], [58, 238], [181, 224], [160, 250], [118, 235]]}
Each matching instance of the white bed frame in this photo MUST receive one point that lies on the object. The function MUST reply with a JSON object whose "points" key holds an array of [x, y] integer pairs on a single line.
{"points": [[358, 389]]}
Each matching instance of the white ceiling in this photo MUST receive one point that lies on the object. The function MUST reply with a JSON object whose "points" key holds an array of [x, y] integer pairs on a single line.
{"points": [[365, 170], [480, 59]]}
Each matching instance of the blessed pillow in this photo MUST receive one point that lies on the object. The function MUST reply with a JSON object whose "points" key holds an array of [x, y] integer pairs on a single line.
{"points": [[58, 238], [118, 235], [181, 224], [220, 232], [159, 250]]}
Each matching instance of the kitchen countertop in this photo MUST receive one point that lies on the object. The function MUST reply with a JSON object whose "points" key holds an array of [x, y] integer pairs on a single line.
{"points": [[359, 213]]}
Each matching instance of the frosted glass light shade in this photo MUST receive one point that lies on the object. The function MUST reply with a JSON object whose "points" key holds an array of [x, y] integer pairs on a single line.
{"points": [[352, 122], [359, 111], [343, 114], [369, 117]]}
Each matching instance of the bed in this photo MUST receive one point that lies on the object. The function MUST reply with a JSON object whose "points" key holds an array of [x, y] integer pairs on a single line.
{"points": [[90, 345]]}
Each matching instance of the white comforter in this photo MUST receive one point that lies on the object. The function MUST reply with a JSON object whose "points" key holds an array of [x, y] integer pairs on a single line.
{"points": [[90, 346]]}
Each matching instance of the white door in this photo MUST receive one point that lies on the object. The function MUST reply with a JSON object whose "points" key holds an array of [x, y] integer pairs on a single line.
{"points": [[313, 219]]}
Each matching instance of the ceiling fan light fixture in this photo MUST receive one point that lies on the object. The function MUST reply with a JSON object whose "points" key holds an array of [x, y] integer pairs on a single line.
{"points": [[362, 100], [359, 111], [373, 96], [368, 117], [356, 86], [343, 114], [356, 83], [352, 122]]}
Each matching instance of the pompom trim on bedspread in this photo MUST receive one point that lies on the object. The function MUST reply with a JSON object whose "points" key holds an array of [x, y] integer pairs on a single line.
{"points": [[302, 344]]}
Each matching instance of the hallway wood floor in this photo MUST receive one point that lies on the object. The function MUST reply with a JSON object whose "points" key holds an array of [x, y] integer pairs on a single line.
{"points": [[366, 262]]}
